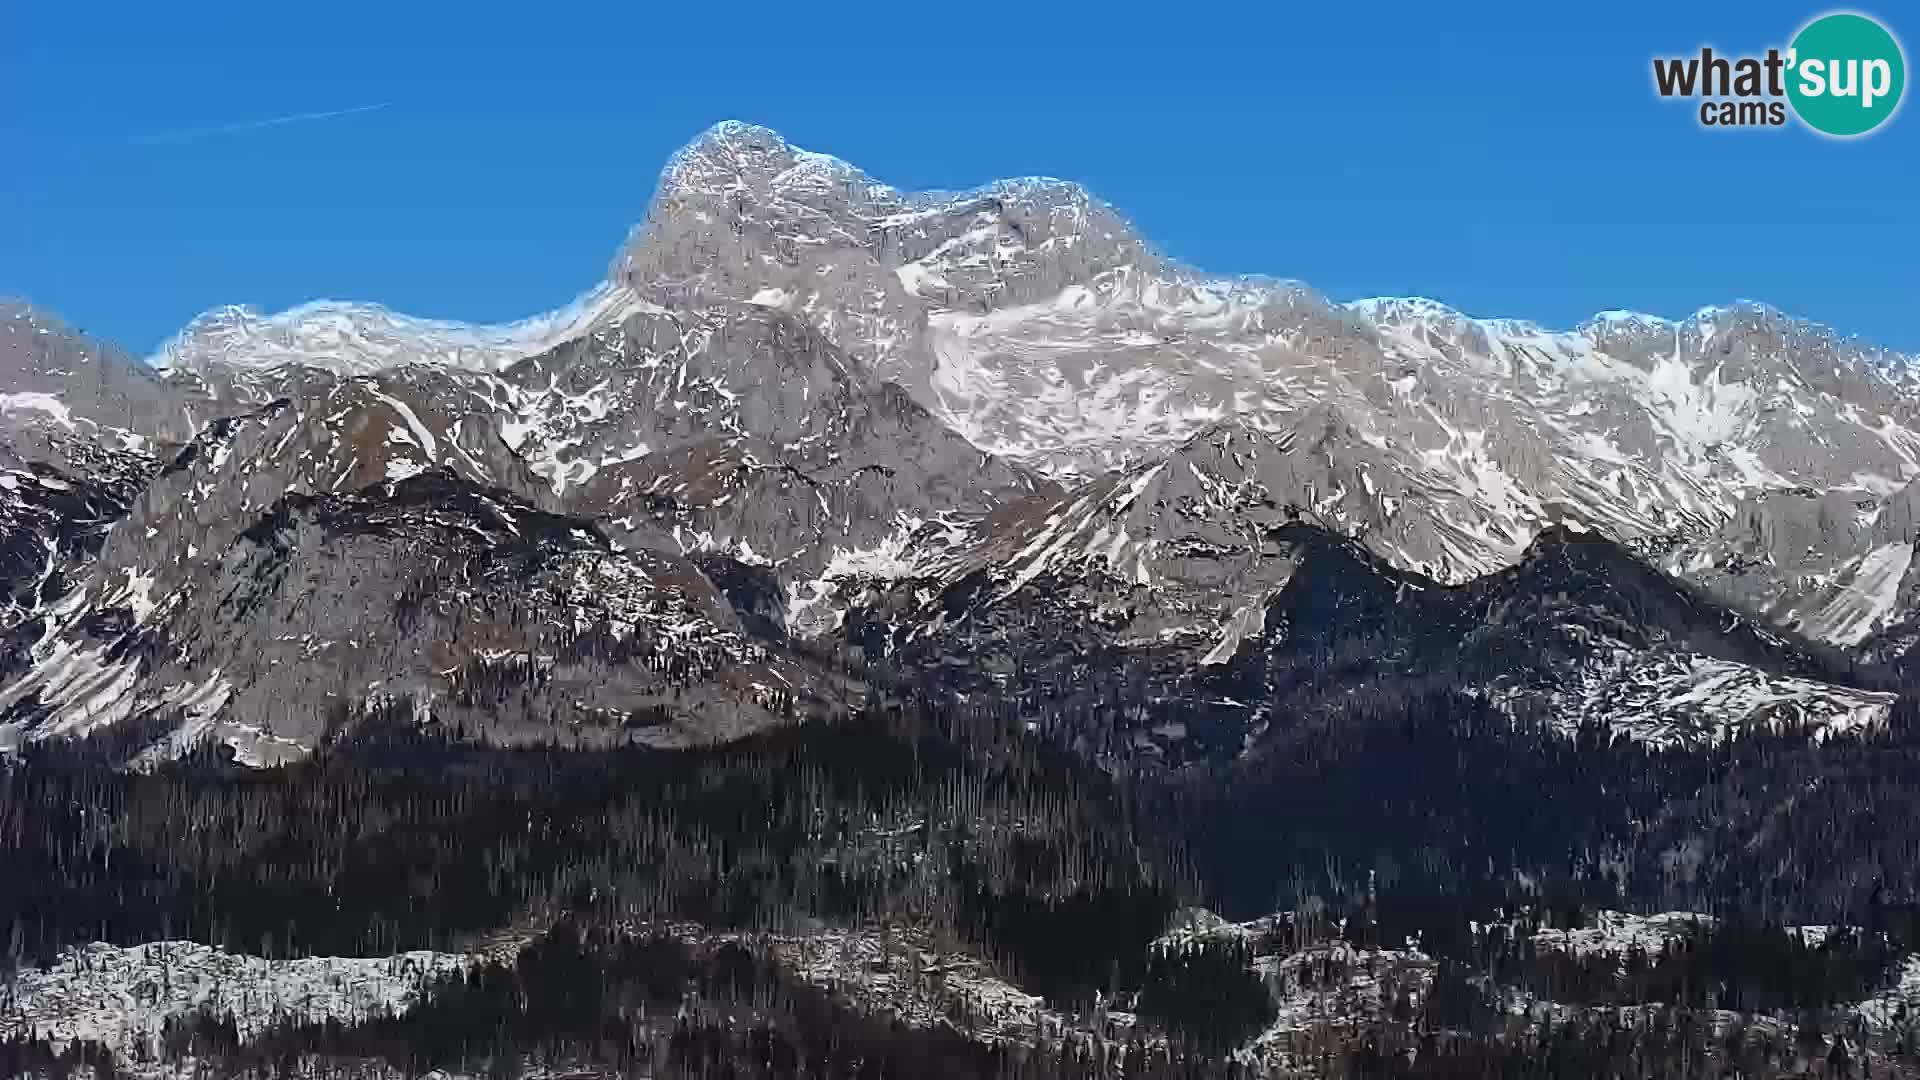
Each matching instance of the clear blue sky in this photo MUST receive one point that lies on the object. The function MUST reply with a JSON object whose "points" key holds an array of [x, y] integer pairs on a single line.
{"points": [[1510, 160]]}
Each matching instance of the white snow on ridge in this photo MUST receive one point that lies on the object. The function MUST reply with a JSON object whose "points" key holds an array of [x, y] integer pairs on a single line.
{"points": [[361, 339]]}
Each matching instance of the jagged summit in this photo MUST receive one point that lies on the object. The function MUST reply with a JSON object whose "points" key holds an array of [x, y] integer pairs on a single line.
{"points": [[38, 344], [735, 153]]}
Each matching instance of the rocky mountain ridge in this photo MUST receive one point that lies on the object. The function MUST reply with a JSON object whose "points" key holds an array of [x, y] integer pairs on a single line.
{"points": [[892, 418]]}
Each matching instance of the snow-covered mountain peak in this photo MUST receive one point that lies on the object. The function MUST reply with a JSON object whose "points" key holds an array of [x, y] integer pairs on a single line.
{"points": [[736, 156], [1620, 319], [1407, 309], [742, 158], [815, 386]]}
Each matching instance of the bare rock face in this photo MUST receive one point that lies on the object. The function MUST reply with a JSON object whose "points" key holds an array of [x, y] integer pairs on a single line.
{"points": [[1834, 564], [430, 595], [991, 440], [1198, 606], [54, 377], [81, 425]]}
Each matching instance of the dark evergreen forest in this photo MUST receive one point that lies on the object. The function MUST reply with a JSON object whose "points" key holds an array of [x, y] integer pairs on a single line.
{"points": [[1430, 819]]}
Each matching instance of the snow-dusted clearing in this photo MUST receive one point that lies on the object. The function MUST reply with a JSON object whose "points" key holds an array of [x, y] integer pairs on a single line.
{"points": [[1897, 1005], [123, 997], [1617, 933], [1693, 700]]}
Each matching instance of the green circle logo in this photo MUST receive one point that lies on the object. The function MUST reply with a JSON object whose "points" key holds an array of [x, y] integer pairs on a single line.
{"points": [[1845, 74]]}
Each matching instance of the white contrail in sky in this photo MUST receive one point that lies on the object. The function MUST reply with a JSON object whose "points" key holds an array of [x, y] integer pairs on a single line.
{"points": [[253, 125]]}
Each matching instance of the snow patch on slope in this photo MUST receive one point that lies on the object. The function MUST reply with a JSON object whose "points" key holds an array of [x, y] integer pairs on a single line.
{"points": [[41, 403], [1864, 604], [812, 607]]}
